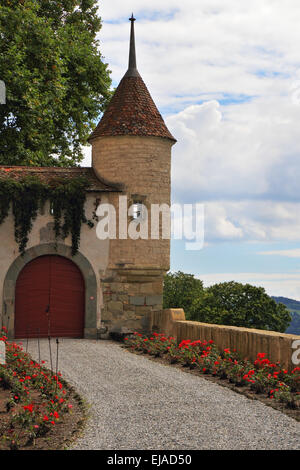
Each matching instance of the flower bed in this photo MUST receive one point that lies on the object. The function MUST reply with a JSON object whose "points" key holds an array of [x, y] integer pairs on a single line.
{"points": [[260, 378], [33, 400]]}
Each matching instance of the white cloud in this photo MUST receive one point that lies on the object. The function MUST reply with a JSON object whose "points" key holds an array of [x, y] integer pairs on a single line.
{"points": [[240, 160], [186, 49], [288, 253], [237, 151], [252, 220]]}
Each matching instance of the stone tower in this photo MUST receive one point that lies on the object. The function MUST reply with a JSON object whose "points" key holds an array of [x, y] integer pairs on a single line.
{"points": [[131, 145]]}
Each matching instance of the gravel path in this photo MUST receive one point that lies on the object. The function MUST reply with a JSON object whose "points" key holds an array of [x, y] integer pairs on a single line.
{"points": [[140, 404]]}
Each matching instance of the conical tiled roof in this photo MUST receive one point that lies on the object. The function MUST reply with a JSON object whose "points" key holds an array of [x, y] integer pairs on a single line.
{"points": [[131, 110]]}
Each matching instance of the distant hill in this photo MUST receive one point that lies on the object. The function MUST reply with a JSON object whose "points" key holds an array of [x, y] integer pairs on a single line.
{"points": [[294, 308]]}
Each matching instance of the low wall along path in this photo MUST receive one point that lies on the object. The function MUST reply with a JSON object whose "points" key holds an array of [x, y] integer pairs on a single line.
{"points": [[247, 342]]}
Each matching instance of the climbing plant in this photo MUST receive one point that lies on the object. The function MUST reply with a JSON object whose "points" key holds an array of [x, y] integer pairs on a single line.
{"points": [[29, 194]]}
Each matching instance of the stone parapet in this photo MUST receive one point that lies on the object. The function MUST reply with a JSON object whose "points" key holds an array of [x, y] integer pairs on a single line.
{"points": [[248, 342]]}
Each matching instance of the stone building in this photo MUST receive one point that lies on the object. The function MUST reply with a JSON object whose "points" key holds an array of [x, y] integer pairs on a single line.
{"points": [[115, 283]]}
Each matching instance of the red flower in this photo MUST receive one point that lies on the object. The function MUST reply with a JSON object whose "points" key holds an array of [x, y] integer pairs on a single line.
{"points": [[29, 407], [261, 355]]}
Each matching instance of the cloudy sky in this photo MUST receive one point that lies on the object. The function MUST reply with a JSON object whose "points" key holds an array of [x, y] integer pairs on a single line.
{"points": [[225, 74]]}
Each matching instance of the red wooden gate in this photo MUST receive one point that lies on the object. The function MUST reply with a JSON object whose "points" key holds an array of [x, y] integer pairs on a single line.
{"points": [[50, 299]]}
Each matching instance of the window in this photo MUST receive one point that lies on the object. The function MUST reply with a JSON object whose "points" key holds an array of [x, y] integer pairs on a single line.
{"points": [[137, 210]]}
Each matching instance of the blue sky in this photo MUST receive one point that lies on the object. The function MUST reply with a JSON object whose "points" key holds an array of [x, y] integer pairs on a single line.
{"points": [[226, 77]]}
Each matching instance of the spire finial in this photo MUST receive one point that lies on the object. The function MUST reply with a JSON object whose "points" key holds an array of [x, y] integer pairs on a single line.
{"points": [[132, 70]]}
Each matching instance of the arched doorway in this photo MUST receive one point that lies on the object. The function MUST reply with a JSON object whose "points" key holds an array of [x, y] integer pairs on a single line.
{"points": [[50, 299]]}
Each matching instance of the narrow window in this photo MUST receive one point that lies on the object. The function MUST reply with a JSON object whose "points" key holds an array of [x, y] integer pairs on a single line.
{"points": [[137, 210]]}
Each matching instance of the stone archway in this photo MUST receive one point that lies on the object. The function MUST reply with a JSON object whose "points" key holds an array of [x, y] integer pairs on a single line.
{"points": [[9, 286]]}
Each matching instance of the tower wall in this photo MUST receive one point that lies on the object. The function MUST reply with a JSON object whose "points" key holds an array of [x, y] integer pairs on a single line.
{"points": [[133, 282], [143, 164]]}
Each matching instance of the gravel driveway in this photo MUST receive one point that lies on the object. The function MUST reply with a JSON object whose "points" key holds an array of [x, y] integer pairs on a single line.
{"points": [[140, 404]]}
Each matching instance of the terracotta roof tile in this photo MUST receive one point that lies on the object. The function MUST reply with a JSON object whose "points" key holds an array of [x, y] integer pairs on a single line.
{"points": [[132, 111], [50, 174]]}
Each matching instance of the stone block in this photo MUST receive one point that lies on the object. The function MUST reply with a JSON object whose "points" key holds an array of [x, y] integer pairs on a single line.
{"points": [[115, 306], [123, 298], [157, 287], [142, 310], [154, 300], [136, 300], [105, 315], [147, 288], [130, 314], [90, 333]]}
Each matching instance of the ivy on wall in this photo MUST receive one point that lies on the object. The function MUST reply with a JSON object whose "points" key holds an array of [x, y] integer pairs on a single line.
{"points": [[28, 195]]}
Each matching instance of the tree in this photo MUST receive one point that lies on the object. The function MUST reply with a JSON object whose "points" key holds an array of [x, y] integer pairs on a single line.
{"points": [[56, 81], [233, 303], [180, 291], [227, 303]]}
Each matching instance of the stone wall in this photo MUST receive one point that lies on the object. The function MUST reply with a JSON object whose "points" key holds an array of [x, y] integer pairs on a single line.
{"points": [[248, 342], [41, 242], [131, 296], [128, 273], [143, 165], [133, 281], [126, 293]]}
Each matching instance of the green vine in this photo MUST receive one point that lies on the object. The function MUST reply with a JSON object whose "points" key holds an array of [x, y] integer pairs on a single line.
{"points": [[28, 195]]}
